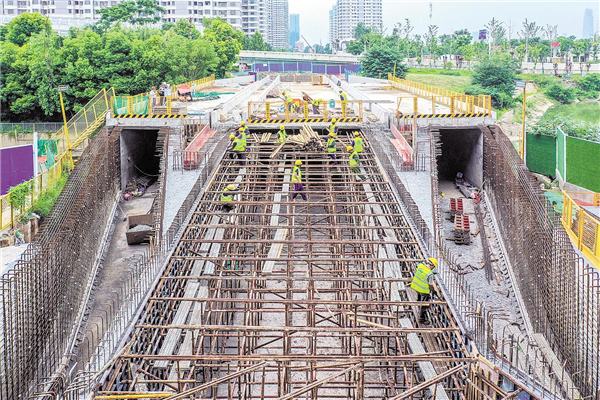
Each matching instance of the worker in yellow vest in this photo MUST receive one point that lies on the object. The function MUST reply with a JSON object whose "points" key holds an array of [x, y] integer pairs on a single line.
{"points": [[282, 136], [331, 147], [287, 99], [316, 103], [343, 96], [297, 181], [355, 163], [227, 197], [358, 143], [421, 284], [238, 147], [333, 127]]}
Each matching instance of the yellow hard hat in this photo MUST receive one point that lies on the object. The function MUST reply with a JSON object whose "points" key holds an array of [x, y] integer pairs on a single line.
{"points": [[231, 187], [349, 148], [434, 261], [443, 194], [282, 127], [356, 133], [332, 134], [334, 120], [298, 162], [243, 123], [241, 129], [283, 91], [231, 137]]}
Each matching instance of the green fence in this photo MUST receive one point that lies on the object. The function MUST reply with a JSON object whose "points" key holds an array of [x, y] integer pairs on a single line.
{"points": [[577, 160], [139, 105], [583, 163], [541, 154]]}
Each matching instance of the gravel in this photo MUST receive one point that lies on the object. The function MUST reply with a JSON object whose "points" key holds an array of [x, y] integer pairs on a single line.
{"points": [[140, 228]]}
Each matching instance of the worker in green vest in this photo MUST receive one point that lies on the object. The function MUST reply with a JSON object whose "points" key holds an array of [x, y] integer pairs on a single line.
{"points": [[297, 181], [238, 147], [333, 127], [287, 99], [420, 284], [316, 103], [331, 147], [343, 96], [355, 163], [358, 143], [282, 136], [227, 197]]}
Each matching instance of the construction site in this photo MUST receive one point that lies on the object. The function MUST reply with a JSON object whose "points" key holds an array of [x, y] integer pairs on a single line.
{"points": [[146, 282]]}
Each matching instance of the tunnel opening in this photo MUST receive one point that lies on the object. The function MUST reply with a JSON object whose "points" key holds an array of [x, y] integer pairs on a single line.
{"points": [[140, 157], [461, 153]]}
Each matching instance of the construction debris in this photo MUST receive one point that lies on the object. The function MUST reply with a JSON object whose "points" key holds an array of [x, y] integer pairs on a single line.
{"points": [[308, 139]]}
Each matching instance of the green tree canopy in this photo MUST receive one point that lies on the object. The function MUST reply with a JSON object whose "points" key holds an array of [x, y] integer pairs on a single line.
{"points": [[380, 60], [26, 25], [256, 42], [226, 41], [135, 12]]}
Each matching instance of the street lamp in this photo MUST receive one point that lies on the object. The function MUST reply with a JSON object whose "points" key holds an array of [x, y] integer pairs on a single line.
{"points": [[61, 89]]}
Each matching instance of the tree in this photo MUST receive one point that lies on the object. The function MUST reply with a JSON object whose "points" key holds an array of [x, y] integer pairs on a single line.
{"points": [[380, 60], [226, 41], [355, 47], [497, 75], [496, 32], [256, 42], [187, 29], [431, 40], [134, 12], [26, 25], [360, 30], [530, 30]]}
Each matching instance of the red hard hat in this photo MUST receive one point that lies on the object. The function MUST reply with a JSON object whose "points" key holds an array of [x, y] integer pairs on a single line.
{"points": [[153, 87]]}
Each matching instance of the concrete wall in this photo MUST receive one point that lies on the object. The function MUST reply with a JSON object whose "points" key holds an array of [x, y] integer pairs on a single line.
{"points": [[365, 79], [462, 151], [235, 101], [276, 81], [174, 123]]}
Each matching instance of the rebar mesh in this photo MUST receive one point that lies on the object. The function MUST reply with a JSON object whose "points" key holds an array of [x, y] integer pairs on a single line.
{"points": [[42, 296]]}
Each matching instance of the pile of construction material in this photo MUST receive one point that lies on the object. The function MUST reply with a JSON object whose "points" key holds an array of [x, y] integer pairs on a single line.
{"points": [[308, 139], [462, 229]]}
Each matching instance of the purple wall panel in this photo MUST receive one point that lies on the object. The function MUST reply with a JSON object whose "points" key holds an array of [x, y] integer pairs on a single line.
{"points": [[304, 66], [318, 69], [276, 67], [290, 67], [16, 166], [333, 69], [351, 67]]}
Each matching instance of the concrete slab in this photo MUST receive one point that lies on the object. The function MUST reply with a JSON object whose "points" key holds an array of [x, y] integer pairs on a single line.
{"points": [[9, 256]]}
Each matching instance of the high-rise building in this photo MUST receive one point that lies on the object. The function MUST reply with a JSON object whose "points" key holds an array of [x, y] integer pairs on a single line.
{"points": [[347, 14], [294, 29], [254, 17], [588, 23], [230, 10], [278, 25]]}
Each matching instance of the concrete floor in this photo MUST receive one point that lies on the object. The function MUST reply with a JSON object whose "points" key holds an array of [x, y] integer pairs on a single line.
{"points": [[9, 256]]}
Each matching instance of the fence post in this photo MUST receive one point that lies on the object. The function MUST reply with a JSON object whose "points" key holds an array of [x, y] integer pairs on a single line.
{"points": [[267, 110], [452, 105]]}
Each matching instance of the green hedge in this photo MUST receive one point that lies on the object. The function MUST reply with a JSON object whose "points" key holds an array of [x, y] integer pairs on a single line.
{"points": [[541, 154], [583, 167]]}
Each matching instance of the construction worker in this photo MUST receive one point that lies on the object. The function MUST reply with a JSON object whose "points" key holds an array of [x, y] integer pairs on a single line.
{"points": [[343, 96], [331, 148], [282, 135], [333, 127], [420, 284], [316, 104], [238, 147], [287, 99], [297, 106], [245, 126], [358, 143], [355, 163], [297, 181], [227, 197], [243, 135]]}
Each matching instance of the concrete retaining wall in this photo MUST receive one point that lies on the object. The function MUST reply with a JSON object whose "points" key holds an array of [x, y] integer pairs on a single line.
{"points": [[365, 79], [272, 85], [235, 101], [237, 79], [384, 115]]}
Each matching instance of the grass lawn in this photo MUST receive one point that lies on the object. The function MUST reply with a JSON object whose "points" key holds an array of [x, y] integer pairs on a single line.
{"points": [[456, 83]]}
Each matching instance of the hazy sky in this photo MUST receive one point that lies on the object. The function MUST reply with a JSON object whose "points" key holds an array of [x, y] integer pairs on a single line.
{"points": [[451, 15]]}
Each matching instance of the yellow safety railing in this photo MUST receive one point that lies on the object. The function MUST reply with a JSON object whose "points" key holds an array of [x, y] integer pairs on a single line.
{"points": [[583, 228], [457, 103], [79, 128], [275, 110], [145, 104]]}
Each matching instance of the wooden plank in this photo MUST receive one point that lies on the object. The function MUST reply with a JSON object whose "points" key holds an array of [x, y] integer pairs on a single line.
{"points": [[281, 233]]}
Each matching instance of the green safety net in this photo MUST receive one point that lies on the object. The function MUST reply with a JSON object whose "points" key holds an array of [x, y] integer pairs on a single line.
{"points": [[48, 148], [208, 96], [140, 105]]}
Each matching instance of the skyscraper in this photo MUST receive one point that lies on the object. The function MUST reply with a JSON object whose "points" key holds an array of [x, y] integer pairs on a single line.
{"points": [[346, 14], [588, 23], [254, 17], [294, 29], [278, 25]]}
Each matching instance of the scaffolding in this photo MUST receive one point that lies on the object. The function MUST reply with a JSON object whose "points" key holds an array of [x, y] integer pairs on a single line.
{"points": [[285, 299]]}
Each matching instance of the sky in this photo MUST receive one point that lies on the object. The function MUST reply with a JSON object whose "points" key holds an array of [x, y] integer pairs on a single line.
{"points": [[452, 15]]}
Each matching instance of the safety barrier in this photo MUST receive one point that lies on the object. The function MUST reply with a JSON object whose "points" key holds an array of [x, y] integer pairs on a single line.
{"points": [[58, 150], [277, 112], [146, 104], [583, 228], [457, 103]]}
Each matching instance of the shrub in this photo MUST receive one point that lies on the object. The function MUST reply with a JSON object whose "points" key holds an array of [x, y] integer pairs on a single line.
{"points": [[448, 65], [451, 73], [583, 130], [45, 201], [561, 93], [590, 83], [500, 99]]}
